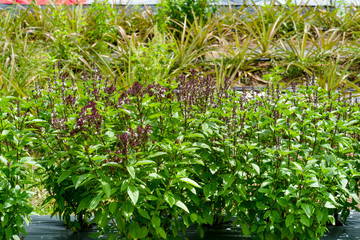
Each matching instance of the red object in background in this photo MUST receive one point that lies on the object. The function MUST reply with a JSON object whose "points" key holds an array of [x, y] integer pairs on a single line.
{"points": [[43, 2]]}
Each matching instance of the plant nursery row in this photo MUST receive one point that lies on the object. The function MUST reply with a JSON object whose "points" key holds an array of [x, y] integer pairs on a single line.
{"points": [[126, 119]]}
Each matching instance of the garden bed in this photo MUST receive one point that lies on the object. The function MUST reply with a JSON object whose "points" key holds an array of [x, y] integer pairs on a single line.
{"points": [[123, 121], [46, 228]]}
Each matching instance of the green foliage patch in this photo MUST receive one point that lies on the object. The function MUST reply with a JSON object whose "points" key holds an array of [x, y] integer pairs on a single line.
{"points": [[153, 160]]}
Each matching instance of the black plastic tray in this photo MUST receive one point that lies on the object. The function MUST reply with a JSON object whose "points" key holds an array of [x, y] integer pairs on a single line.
{"points": [[46, 228]]}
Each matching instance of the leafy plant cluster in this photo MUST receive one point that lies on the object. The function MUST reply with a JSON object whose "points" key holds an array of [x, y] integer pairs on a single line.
{"points": [[16, 162], [151, 161], [147, 157], [225, 42], [178, 12]]}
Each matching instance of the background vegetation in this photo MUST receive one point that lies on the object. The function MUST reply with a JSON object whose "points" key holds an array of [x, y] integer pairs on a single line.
{"points": [[127, 116]]}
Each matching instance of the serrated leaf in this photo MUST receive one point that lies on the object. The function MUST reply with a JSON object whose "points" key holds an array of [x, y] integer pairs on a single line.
{"points": [[133, 193]]}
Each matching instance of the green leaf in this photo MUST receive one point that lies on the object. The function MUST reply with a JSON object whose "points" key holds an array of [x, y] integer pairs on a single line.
{"points": [[156, 115], [256, 167], [95, 202], [144, 213], [228, 180], [133, 193], [8, 232], [80, 180], [63, 176], [5, 132], [201, 145], [113, 207], [134, 229], [161, 232], [355, 197], [124, 185], [35, 121], [191, 182], [143, 232], [329, 205], [169, 198], [297, 166], [307, 209], [207, 190], [144, 162], [305, 220], [131, 171], [15, 237], [156, 222], [127, 208], [282, 202], [245, 229], [84, 203], [182, 206], [110, 134], [193, 217], [321, 214], [289, 220], [28, 160], [157, 154], [3, 160], [206, 129], [106, 188]]}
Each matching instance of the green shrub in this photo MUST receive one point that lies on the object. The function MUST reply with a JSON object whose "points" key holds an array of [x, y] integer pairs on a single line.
{"points": [[178, 12], [154, 160], [15, 164]]}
